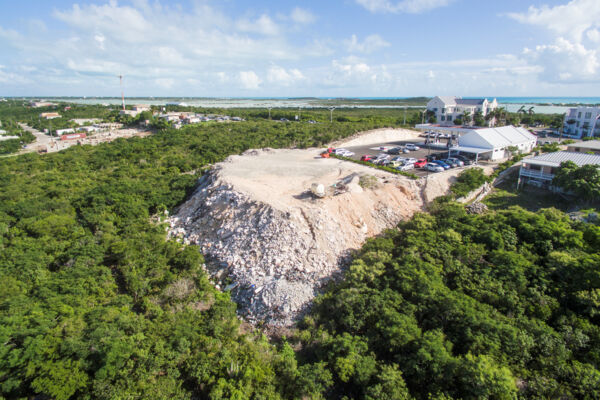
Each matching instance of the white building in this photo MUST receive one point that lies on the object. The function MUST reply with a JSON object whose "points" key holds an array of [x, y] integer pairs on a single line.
{"points": [[64, 131], [591, 146], [540, 170], [141, 107], [448, 108], [581, 122], [494, 143]]}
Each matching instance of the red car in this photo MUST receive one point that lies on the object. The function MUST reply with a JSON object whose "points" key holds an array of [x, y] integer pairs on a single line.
{"points": [[366, 157], [421, 162]]}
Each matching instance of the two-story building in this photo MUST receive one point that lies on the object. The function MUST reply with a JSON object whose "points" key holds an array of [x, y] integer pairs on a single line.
{"points": [[581, 122], [540, 170], [448, 108]]}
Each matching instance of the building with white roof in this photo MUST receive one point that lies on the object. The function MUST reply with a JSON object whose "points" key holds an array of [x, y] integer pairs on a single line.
{"points": [[494, 143], [540, 170], [592, 146], [448, 108], [582, 122]]}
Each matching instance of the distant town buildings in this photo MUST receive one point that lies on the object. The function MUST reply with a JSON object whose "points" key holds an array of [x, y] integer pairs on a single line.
{"points": [[581, 122], [448, 108], [178, 119], [540, 170], [38, 104], [50, 115]]}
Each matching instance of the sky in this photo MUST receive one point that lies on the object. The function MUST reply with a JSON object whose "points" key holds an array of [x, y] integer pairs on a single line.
{"points": [[331, 48]]}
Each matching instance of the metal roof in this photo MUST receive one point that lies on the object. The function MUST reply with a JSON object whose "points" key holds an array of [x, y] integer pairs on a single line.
{"points": [[554, 159], [473, 150], [499, 137], [592, 145], [470, 102]]}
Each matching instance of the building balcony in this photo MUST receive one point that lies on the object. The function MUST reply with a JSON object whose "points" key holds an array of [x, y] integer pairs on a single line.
{"points": [[531, 173]]}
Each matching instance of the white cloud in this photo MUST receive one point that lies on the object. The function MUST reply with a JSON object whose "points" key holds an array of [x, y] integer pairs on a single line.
{"points": [[404, 6], [100, 40], [570, 20], [281, 76], [370, 44], [565, 61], [263, 25], [593, 35], [572, 54], [249, 80], [301, 16]]}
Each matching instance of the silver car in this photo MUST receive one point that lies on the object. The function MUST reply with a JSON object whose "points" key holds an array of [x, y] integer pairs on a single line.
{"points": [[434, 167]]}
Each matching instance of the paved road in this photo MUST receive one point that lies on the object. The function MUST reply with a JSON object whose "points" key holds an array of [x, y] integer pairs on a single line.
{"points": [[41, 140]]}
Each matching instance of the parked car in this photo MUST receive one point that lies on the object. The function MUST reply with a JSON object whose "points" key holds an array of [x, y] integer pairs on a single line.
{"points": [[396, 161], [343, 152], [466, 160], [382, 159], [421, 162], [459, 163], [395, 150], [433, 167], [411, 147], [410, 160], [406, 167], [383, 148], [405, 150], [366, 157], [450, 162], [441, 164]]}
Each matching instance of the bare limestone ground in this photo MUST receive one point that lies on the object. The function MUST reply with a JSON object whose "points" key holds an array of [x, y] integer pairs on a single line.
{"points": [[271, 243]]}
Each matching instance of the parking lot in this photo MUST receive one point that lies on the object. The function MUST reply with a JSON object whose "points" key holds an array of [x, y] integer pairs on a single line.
{"points": [[423, 151]]}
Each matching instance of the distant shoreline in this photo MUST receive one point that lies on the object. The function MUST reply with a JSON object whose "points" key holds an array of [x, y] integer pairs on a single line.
{"points": [[541, 105]]}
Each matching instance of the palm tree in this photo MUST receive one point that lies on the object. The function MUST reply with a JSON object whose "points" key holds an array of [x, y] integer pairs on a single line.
{"points": [[466, 117], [521, 110], [530, 111]]}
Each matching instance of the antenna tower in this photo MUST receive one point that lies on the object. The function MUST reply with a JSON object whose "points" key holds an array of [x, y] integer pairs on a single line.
{"points": [[122, 93]]}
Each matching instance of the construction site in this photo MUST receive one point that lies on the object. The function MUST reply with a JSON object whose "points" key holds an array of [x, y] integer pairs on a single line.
{"points": [[277, 225]]}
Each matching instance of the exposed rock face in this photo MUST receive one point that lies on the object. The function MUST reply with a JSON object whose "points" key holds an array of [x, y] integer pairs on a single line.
{"points": [[278, 244]]}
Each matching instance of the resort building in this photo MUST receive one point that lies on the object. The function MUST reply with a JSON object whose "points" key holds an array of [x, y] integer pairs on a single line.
{"points": [[447, 109], [581, 122], [494, 143], [592, 146], [540, 170]]}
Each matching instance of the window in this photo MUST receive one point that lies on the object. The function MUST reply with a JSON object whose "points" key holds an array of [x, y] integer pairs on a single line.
{"points": [[579, 115], [443, 117], [535, 167], [588, 115], [449, 117], [443, 111]]}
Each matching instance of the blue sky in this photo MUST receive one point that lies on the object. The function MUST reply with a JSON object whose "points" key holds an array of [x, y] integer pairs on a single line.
{"points": [[300, 48]]}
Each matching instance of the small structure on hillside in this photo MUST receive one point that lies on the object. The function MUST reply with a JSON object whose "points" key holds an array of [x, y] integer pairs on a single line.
{"points": [[539, 171]]}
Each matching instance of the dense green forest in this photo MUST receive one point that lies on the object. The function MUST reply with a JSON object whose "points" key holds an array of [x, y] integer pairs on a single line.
{"points": [[96, 303], [451, 305]]}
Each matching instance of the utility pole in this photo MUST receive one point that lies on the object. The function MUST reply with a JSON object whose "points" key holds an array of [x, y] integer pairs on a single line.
{"points": [[404, 115], [331, 113], [122, 92], [269, 108]]}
